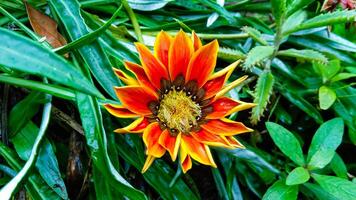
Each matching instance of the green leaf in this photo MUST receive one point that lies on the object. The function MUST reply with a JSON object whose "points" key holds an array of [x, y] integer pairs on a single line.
{"points": [[254, 34], [342, 76], [324, 143], [40, 61], [220, 186], [278, 10], [338, 187], [147, 5], [294, 20], [263, 91], [257, 55], [341, 16], [338, 166], [297, 176], [280, 191], [93, 54], [304, 54], [229, 54], [319, 192], [297, 5], [46, 164], [328, 70], [286, 142], [220, 10], [327, 97]]}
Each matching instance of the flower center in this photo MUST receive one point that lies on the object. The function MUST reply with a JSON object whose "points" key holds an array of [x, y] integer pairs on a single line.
{"points": [[178, 111]]}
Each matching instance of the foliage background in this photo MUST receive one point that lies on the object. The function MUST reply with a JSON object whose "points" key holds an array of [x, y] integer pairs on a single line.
{"points": [[300, 58]]}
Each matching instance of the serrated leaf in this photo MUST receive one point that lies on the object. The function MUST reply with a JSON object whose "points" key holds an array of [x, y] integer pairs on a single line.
{"points": [[338, 187], [147, 5], [279, 9], [305, 54], [327, 97], [324, 143], [229, 54], [326, 19], [286, 142], [294, 20], [254, 34], [280, 191], [257, 55], [297, 176], [262, 94]]}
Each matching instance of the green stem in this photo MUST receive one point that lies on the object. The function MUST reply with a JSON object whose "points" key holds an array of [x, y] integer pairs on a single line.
{"points": [[134, 21]]}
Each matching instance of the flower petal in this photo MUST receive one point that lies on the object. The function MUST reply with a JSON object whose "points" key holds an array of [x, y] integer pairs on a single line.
{"points": [[196, 41], [161, 47], [179, 55], [202, 63], [197, 150], [148, 163], [186, 164], [225, 106], [154, 69], [120, 111], [140, 75], [230, 86], [225, 127], [218, 79], [128, 97], [138, 126], [170, 143], [128, 80], [208, 138], [150, 137], [233, 142]]}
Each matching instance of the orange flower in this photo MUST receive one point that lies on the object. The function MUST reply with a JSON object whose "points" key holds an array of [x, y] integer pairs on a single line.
{"points": [[178, 100]]}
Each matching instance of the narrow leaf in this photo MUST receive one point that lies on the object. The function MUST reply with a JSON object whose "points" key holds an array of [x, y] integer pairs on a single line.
{"points": [[304, 54], [147, 5], [338, 166], [279, 9]]}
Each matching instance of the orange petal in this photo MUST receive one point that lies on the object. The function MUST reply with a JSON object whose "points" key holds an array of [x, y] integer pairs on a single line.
{"points": [[170, 143], [225, 127], [128, 96], [230, 86], [226, 106], [197, 150], [140, 75], [186, 164], [120, 111], [161, 47], [196, 41], [150, 137], [138, 126], [203, 63], [210, 139], [233, 142], [218, 79], [128, 80], [154, 69], [179, 55], [148, 163]]}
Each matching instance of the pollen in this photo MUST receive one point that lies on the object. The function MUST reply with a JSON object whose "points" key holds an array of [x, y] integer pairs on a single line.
{"points": [[178, 111]]}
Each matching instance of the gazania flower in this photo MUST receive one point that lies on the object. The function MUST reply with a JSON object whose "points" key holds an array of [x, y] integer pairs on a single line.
{"points": [[178, 101]]}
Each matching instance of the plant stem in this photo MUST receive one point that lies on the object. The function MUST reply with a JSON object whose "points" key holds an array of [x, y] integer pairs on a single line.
{"points": [[134, 21]]}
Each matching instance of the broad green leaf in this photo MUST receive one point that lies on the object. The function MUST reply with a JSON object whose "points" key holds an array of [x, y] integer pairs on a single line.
{"points": [[286, 142], [327, 97], [103, 188], [93, 54], [319, 192], [147, 5], [51, 89], [326, 19], [279, 9], [40, 61], [338, 187], [297, 176], [257, 55], [46, 163], [304, 54], [342, 76], [328, 70], [280, 191], [263, 91], [324, 143], [338, 166], [254, 34], [294, 20]]}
